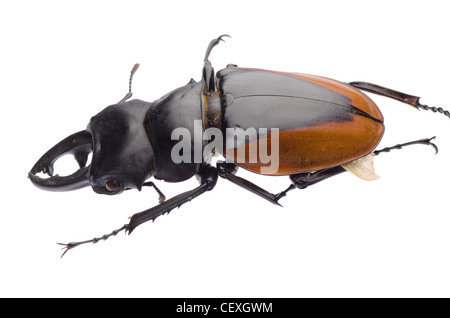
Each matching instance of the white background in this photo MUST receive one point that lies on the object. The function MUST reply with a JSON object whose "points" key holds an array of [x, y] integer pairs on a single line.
{"points": [[62, 63]]}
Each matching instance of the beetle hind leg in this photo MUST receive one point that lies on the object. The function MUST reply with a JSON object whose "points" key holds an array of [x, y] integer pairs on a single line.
{"points": [[402, 97]]}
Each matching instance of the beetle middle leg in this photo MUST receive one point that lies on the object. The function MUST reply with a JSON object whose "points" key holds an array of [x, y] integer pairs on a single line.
{"points": [[424, 141], [228, 171], [306, 179], [301, 180], [208, 70]]}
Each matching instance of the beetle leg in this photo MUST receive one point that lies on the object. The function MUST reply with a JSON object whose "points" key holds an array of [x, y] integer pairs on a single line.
{"points": [[208, 179], [71, 245], [208, 70], [402, 97], [424, 141], [305, 179], [212, 44], [302, 180], [228, 170]]}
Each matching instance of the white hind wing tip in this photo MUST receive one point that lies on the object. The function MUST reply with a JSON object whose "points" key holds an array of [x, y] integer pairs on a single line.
{"points": [[362, 167]]}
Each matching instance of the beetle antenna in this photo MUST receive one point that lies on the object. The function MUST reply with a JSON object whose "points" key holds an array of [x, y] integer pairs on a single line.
{"points": [[129, 94], [71, 245], [162, 197]]}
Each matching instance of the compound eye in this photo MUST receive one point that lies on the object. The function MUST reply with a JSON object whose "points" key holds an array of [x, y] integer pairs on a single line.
{"points": [[112, 186]]}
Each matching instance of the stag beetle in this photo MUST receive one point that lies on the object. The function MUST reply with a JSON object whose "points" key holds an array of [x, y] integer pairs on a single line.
{"points": [[315, 128]]}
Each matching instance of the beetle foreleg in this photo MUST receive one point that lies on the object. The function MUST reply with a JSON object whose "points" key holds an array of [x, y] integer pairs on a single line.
{"points": [[208, 179], [69, 246]]}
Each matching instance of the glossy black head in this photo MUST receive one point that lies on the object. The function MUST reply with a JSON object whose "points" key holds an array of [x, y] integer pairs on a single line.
{"points": [[122, 156]]}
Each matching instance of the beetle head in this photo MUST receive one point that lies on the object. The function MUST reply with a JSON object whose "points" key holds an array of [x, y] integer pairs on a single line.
{"points": [[122, 156]]}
